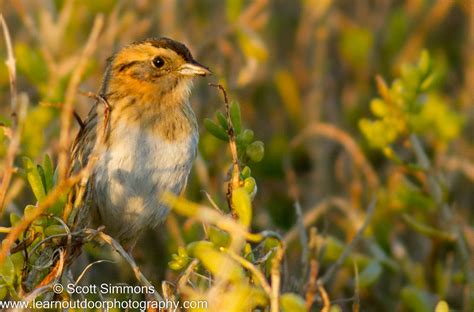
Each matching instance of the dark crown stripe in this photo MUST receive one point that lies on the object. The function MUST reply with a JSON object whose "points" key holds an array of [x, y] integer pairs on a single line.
{"points": [[167, 43]]}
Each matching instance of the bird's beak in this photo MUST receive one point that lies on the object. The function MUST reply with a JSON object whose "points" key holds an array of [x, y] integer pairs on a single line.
{"points": [[194, 69]]}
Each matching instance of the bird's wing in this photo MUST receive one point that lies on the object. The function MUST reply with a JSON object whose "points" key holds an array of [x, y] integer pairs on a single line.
{"points": [[81, 151]]}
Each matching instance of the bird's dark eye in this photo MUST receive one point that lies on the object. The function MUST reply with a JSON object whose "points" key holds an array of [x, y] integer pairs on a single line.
{"points": [[158, 62]]}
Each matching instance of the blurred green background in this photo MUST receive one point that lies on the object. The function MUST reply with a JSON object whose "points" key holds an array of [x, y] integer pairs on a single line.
{"points": [[304, 75]]}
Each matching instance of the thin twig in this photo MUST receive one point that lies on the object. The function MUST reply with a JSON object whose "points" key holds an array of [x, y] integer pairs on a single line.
{"points": [[356, 304], [294, 194], [276, 278], [313, 214], [136, 270], [15, 128], [325, 298], [10, 62], [90, 265], [235, 178], [331, 132], [312, 285], [183, 279], [370, 212], [257, 273]]}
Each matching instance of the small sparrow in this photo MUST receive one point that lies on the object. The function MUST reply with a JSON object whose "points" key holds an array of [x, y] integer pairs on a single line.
{"points": [[149, 140]]}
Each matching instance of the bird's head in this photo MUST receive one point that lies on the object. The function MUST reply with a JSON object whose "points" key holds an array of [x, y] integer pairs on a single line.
{"points": [[161, 69]]}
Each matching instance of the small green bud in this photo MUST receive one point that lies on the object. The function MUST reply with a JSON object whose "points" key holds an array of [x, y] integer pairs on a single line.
{"points": [[246, 172], [250, 185], [256, 151], [424, 63], [247, 136]]}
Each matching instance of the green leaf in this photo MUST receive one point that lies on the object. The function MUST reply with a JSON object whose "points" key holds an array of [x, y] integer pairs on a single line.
{"points": [[218, 237], [7, 271], [233, 9], [417, 300], [246, 172], [34, 178], [242, 204], [291, 302], [370, 274], [218, 263], [222, 120], [3, 291], [192, 247], [235, 116], [215, 130], [29, 209], [252, 44], [180, 259], [378, 107], [250, 186], [424, 63], [14, 218], [54, 229], [32, 64], [48, 172]]}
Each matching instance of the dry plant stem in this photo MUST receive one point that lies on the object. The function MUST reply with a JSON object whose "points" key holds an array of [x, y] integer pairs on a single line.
{"points": [[312, 285], [15, 137], [276, 278], [90, 265], [325, 298], [136, 270], [235, 179], [294, 193], [68, 109], [37, 292], [10, 62], [331, 132], [257, 273], [356, 304], [33, 29], [12, 150], [370, 212], [56, 272], [313, 215], [438, 11], [185, 276]]}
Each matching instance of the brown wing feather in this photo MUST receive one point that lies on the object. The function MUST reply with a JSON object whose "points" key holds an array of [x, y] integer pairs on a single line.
{"points": [[78, 197]]}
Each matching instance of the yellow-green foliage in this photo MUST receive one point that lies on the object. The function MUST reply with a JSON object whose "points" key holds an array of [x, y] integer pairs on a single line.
{"points": [[408, 106], [316, 139]]}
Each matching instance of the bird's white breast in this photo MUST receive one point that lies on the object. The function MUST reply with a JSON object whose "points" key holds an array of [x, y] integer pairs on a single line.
{"points": [[131, 175]]}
